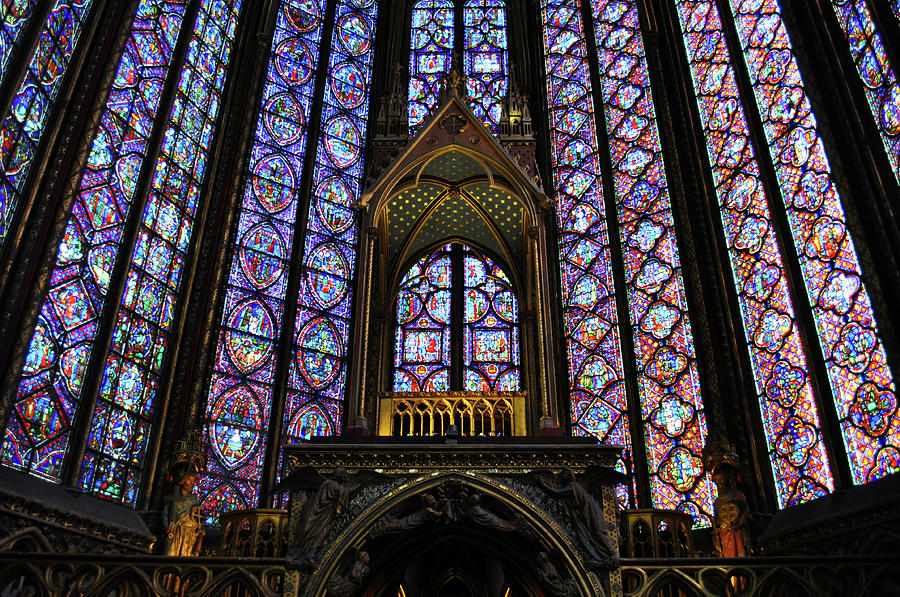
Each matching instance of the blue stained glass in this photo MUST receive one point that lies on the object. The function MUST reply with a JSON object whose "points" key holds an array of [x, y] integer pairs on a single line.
{"points": [[429, 57], [596, 372], [486, 58], [49, 392], [121, 420], [318, 369], [23, 126], [669, 386], [240, 394], [14, 17]]}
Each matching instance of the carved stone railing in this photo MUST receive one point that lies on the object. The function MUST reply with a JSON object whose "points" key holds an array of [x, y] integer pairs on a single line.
{"points": [[475, 414], [258, 533], [125, 575], [762, 576], [24, 573], [653, 533]]}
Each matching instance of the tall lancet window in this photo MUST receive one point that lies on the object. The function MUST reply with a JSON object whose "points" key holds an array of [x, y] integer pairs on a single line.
{"points": [[845, 338], [862, 385], [876, 73], [262, 322], [456, 296], [486, 68], [118, 185], [430, 55], [671, 419], [26, 120]]}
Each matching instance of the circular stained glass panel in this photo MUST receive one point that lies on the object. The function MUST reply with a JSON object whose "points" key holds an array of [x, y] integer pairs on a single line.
{"points": [[320, 348], [354, 34], [302, 14], [234, 431], [348, 85], [342, 141], [294, 61], [273, 181], [284, 118], [248, 342], [328, 274], [262, 255]]}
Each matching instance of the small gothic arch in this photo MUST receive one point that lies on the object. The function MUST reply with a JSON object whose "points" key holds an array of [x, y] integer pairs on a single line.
{"points": [[537, 533]]}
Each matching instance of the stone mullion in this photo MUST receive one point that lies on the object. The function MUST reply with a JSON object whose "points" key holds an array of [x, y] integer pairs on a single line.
{"points": [[100, 349], [27, 274]]}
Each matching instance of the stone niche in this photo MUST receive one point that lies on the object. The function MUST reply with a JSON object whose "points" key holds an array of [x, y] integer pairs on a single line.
{"points": [[452, 518]]}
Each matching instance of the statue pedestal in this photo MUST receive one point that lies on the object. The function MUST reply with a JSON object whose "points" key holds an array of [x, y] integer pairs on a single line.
{"points": [[372, 517]]}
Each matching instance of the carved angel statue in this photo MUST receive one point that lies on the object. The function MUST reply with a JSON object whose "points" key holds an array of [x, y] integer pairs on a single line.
{"points": [[559, 586], [321, 509], [430, 511], [484, 517], [347, 586], [586, 517]]}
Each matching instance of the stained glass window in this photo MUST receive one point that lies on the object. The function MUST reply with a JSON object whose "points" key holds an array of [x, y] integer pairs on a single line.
{"points": [[799, 462], [318, 369], [23, 125], [422, 341], [490, 334], [669, 387], [486, 66], [14, 16], [120, 424], [240, 395], [429, 57], [596, 372], [879, 79], [50, 389], [861, 382], [451, 296]]}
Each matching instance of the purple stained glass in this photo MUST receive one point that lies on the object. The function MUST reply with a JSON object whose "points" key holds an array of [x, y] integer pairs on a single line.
{"points": [[240, 394], [429, 56], [422, 316], [318, 368], [669, 386], [61, 343], [778, 355], [121, 420], [14, 16], [596, 374], [877, 75], [861, 381], [490, 327], [486, 58], [24, 124]]}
